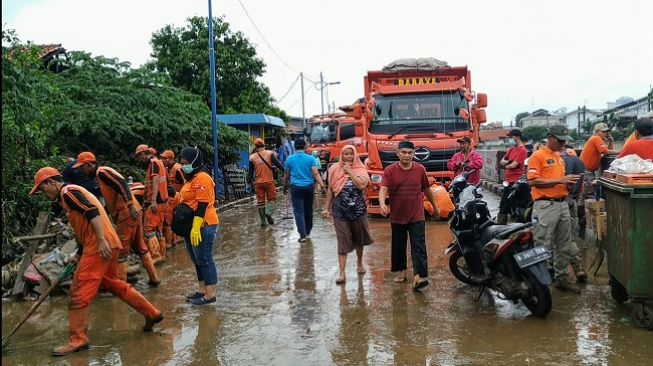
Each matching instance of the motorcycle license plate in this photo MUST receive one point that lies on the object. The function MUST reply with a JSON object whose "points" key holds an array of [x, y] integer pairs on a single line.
{"points": [[531, 256]]}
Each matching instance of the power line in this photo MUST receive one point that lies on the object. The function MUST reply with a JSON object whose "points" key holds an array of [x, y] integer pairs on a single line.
{"points": [[300, 98], [288, 91]]}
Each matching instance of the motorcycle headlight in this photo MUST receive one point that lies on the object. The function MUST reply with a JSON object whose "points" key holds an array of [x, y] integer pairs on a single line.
{"points": [[376, 178]]}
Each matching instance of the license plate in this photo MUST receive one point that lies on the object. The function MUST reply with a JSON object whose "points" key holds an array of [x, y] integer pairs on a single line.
{"points": [[531, 256]]}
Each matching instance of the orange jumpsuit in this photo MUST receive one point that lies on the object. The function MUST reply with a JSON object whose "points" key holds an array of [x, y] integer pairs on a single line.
{"points": [[442, 199], [176, 177], [155, 175], [92, 271], [171, 238]]}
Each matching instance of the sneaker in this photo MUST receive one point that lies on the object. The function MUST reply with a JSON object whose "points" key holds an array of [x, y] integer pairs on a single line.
{"points": [[193, 296], [302, 239], [203, 301], [562, 283]]}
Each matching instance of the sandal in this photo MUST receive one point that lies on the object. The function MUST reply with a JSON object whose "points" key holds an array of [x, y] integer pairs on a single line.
{"points": [[202, 301], [193, 296], [400, 279], [420, 283], [361, 270]]}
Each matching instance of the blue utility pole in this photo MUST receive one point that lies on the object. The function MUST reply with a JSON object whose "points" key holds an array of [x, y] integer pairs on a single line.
{"points": [[214, 117]]}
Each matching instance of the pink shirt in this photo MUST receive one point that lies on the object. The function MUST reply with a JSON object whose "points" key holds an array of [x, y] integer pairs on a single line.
{"points": [[474, 162]]}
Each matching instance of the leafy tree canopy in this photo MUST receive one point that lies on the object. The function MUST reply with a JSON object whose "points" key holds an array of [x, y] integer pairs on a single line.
{"points": [[534, 133], [519, 117], [182, 53]]}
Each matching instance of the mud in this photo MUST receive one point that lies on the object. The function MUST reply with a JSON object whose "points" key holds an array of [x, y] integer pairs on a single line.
{"points": [[278, 304]]}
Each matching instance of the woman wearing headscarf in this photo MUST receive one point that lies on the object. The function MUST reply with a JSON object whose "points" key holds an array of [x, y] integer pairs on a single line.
{"points": [[199, 194], [346, 203]]}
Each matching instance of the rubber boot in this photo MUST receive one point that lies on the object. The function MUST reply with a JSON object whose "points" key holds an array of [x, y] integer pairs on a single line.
{"points": [[579, 271], [562, 283], [153, 245], [261, 215], [148, 264], [582, 222], [78, 340], [121, 270], [142, 305], [269, 210], [502, 219]]}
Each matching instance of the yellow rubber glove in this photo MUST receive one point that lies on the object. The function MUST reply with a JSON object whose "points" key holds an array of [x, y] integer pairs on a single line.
{"points": [[195, 235]]}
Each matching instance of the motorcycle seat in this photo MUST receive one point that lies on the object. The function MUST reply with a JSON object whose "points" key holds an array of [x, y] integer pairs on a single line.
{"points": [[498, 231]]}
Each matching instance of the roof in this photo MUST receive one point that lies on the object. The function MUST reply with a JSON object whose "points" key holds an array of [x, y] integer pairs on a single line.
{"points": [[250, 119], [494, 135]]}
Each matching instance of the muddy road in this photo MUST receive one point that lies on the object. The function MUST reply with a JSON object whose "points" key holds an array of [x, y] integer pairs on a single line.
{"points": [[278, 304]]}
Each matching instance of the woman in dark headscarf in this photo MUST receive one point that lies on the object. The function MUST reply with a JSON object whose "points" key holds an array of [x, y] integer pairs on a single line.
{"points": [[199, 194], [345, 201]]}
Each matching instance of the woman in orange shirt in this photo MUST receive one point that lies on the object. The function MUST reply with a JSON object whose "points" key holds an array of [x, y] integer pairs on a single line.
{"points": [[199, 194]]}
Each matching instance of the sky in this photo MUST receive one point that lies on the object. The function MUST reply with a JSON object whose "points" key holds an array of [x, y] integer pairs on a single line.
{"points": [[524, 54]]}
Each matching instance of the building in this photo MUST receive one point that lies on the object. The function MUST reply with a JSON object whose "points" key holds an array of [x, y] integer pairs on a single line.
{"points": [[574, 119], [256, 125], [541, 117], [627, 110]]}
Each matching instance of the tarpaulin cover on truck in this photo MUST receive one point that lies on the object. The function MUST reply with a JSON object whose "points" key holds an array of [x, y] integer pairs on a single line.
{"points": [[423, 63]]}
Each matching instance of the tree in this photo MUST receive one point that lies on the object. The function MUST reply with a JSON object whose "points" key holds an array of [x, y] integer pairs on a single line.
{"points": [[182, 53], [519, 117], [534, 133]]}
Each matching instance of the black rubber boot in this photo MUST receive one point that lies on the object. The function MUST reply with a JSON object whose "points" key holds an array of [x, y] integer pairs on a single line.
{"points": [[261, 216]]}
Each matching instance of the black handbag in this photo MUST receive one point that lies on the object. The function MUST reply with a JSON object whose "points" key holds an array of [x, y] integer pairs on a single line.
{"points": [[182, 220]]}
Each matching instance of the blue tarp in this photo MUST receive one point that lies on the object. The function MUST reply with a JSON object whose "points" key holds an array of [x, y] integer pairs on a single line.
{"points": [[250, 119]]}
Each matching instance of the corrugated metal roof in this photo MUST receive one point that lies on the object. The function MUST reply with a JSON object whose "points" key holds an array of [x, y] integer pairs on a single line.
{"points": [[250, 119]]}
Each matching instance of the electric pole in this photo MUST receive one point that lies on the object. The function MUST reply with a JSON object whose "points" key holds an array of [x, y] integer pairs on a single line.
{"points": [[322, 92], [301, 75]]}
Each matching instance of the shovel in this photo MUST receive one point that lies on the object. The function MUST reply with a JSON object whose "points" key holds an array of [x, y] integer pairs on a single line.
{"points": [[65, 273]]}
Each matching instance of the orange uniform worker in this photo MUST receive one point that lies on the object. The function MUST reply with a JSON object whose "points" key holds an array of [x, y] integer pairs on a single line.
{"points": [[173, 200], [176, 177], [261, 174], [125, 212], [99, 250], [154, 202], [443, 201]]}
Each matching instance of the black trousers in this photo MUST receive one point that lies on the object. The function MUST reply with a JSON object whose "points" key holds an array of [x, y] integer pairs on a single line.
{"points": [[400, 234], [506, 204]]}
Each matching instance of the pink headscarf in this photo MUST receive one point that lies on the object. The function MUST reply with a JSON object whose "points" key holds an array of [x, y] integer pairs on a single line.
{"points": [[337, 175]]}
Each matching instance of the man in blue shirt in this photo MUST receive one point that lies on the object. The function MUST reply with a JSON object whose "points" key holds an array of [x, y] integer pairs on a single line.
{"points": [[301, 174]]}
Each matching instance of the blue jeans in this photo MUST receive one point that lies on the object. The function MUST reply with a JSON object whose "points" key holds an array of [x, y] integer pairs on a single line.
{"points": [[302, 208], [202, 255]]}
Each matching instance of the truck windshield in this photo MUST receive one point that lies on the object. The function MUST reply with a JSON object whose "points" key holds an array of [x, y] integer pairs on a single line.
{"points": [[322, 133], [422, 112]]}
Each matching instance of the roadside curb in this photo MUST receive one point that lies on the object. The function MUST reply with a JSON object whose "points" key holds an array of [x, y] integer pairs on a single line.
{"points": [[494, 187], [240, 202]]}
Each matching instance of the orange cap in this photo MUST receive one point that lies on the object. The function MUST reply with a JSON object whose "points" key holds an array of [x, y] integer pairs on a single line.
{"points": [[152, 151], [83, 158], [141, 148], [259, 142], [138, 188], [168, 154], [42, 175]]}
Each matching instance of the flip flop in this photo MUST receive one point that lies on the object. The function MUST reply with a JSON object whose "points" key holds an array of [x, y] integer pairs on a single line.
{"points": [[361, 270], [399, 279], [340, 280]]}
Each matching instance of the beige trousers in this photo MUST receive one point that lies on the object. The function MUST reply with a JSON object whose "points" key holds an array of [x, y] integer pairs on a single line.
{"points": [[554, 232]]}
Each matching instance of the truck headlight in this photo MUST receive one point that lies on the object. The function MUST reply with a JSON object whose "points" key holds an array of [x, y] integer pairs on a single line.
{"points": [[376, 178]]}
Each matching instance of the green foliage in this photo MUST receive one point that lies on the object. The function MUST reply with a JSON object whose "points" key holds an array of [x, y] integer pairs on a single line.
{"points": [[534, 133], [519, 117], [183, 54]]}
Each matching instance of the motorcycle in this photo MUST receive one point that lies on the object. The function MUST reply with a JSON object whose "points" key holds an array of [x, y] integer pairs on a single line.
{"points": [[500, 257], [522, 203]]}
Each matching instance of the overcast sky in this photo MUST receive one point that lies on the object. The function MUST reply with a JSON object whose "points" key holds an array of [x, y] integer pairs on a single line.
{"points": [[524, 54]]}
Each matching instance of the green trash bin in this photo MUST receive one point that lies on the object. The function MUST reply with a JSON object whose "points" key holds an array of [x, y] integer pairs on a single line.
{"points": [[629, 243]]}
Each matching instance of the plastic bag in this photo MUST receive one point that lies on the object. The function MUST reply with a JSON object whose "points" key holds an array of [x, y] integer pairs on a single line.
{"points": [[631, 164]]}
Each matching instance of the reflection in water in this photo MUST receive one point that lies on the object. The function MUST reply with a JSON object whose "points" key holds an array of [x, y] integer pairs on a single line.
{"points": [[407, 325], [354, 328], [302, 309]]}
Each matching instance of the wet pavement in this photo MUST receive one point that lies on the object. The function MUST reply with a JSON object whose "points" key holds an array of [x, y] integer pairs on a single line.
{"points": [[278, 304]]}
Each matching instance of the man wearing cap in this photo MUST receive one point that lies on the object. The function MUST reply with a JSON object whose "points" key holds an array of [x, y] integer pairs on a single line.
{"points": [[467, 160], [175, 175], [300, 173], [97, 258], [546, 176], [407, 183], [260, 166], [513, 163], [154, 202], [125, 212], [643, 145], [72, 175], [596, 146]]}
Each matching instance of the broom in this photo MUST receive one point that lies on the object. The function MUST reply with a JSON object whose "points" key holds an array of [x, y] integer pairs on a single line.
{"points": [[67, 271]]}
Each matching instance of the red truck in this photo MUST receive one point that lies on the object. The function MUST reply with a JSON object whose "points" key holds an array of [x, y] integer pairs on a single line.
{"points": [[425, 101]]}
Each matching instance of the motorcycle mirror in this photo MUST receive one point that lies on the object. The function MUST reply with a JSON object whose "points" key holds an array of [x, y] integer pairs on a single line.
{"points": [[506, 184]]}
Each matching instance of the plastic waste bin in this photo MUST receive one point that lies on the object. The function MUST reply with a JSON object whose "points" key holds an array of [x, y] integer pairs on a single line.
{"points": [[629, 243]]}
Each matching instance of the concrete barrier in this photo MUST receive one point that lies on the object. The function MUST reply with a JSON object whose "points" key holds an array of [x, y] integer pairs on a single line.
{"points": [[491, 171]]}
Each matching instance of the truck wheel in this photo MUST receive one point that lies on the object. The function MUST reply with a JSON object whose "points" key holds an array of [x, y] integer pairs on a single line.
{"points": [[642, 316], [618, 291], [459, 269]]}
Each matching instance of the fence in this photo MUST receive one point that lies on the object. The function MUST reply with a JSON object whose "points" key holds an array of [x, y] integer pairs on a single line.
{"points": [[491, 171]]}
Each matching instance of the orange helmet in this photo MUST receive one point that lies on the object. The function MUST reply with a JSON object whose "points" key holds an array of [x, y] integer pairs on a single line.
{"points": [[83, 158], [168, 154], [141, 148], [41, 176], [138, 189]]}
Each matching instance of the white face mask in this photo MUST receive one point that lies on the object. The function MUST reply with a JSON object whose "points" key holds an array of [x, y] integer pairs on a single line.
{"points": [[188, 168]]}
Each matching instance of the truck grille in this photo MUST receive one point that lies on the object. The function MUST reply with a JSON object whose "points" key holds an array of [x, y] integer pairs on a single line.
{"points": [[436, 161]]}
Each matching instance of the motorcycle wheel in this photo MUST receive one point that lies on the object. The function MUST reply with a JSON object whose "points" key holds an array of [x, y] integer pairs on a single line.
{"points": [[539, 299], [459, 269]]}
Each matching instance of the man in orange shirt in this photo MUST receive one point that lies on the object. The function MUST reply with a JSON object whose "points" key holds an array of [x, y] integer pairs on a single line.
{"points": [[546, 176], [175, 180], [599, 144], [154, 202], [125, 212], [260, 166], [97, 258], [643, 145]]}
